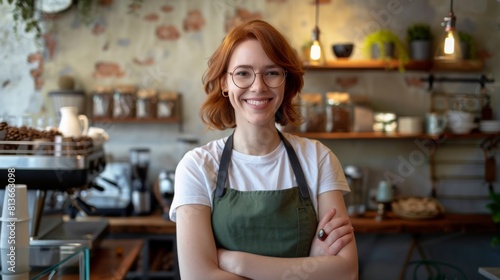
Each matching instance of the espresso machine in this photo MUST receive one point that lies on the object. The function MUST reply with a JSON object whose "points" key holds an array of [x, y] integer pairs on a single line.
{"points": [[55, 173]]}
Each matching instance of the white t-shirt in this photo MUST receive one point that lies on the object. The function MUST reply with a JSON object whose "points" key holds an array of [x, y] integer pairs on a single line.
{"points": [[196, 173]]}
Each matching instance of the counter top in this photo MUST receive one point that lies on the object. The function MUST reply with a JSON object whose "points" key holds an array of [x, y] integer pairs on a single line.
{"points": [[148, 224], [448, 222]]}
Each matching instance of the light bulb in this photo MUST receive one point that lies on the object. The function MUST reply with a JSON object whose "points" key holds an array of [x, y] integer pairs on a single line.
{"points": [[449, 47], [449, 44], [315, 50], [316, 55]]}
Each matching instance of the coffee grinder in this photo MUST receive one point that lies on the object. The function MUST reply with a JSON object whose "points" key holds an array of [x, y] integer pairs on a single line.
{"points": [[141, 196], [356, 178]]}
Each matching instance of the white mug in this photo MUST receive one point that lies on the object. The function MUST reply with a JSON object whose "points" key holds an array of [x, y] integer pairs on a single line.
{"points": [[435, 123]]}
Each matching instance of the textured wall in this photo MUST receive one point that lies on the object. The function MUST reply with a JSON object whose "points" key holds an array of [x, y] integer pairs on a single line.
{"points": [[166, 44]]}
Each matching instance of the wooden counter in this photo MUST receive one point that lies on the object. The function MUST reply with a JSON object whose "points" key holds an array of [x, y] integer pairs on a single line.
{"points": [[448, 222], [150, 224]]}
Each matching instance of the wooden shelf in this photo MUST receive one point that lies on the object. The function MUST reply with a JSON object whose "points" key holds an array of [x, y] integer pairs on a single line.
{"points": [[137, 120], [347, 64], [382, 135]]}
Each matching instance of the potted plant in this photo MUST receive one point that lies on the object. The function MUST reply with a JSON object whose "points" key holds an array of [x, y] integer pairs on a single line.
{"points": [[385, 45], [467, 45], [419, 38]]}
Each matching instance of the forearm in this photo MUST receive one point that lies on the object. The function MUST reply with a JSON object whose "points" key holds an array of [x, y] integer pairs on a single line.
{"points": [[262, 267]]}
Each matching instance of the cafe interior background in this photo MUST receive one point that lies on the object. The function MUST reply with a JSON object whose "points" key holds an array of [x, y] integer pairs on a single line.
{"points": [[164, 45]]}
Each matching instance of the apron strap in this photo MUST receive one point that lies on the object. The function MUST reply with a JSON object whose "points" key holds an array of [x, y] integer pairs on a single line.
{"points": [[226, 160], [297, 169]]}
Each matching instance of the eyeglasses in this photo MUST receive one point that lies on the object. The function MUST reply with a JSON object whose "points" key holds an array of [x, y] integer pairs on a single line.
{"points": [[244, 76]]}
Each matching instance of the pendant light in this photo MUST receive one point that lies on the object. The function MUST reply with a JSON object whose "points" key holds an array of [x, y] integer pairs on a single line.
{"points": [[316, 55], [449, 44]]}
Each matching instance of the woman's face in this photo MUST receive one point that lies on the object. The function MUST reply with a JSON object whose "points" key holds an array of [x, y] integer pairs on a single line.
{"points": [[254, 103]]}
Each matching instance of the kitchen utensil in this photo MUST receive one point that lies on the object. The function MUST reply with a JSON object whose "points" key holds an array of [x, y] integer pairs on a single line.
{"points": [[141, 196], [72, 124], [164, 191], [356, 199]]}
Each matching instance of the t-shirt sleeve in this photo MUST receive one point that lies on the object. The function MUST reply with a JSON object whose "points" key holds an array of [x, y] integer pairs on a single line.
{"points": [[192, 183], [331, 174]]}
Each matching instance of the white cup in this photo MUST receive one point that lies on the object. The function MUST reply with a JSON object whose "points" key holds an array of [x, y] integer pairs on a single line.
{"points": [[14, 233], [435, 123]]}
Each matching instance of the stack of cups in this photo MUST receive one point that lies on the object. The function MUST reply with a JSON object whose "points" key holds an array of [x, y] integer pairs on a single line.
{"points": [[14, 238]]}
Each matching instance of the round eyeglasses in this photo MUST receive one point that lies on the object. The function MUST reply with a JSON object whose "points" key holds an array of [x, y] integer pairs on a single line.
{"points": [[244, 76]]}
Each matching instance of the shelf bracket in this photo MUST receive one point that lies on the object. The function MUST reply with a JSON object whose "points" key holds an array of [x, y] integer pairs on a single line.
{"points": [[482, 80]]}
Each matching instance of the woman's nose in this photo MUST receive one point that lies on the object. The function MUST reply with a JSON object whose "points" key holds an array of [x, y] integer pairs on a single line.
{"points": [[258, 83]]}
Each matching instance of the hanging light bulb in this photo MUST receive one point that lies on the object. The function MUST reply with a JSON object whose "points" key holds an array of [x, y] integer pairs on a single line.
{"points": [[449, 45], [316, 55]]}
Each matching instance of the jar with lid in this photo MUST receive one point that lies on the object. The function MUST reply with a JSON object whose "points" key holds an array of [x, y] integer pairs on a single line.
{"points": [[124, 101], [166, 107], [146, 103], [311, 108], [338, 112], [102, 102]]}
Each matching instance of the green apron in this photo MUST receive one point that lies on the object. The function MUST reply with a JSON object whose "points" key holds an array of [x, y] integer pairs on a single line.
{"points": [[279, 223]]}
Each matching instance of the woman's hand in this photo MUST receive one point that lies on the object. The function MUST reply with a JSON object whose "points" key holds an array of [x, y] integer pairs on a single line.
{"points": [[339, 231]]}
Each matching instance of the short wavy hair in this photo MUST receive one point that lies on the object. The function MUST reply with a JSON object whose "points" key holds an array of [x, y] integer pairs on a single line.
{"points": [[216, 111]]}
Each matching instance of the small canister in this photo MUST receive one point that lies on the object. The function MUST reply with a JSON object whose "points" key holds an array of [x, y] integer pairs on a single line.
{"points": [[102, 102], [338, 112], [146, 103], [124, 101], [166, 107]]}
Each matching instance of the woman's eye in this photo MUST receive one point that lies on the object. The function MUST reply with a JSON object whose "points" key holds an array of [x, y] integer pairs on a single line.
{"points": [[242, 73], [273, 73]]}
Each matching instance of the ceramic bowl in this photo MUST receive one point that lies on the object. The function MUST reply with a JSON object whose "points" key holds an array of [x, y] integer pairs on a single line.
{"points": [[342, 50]]}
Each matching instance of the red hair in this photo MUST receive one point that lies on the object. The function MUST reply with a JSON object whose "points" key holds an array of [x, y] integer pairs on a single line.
{"points": [[216, 111]]}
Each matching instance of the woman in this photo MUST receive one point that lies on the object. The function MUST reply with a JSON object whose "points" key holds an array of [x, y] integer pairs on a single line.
{"points": [[246, 206]]}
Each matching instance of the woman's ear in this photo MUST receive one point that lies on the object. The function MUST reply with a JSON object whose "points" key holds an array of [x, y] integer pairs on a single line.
{"points": [[223, 83]]}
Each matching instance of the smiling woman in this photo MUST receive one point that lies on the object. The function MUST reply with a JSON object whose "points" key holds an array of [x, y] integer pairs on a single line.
{"points": [[264, 210]]}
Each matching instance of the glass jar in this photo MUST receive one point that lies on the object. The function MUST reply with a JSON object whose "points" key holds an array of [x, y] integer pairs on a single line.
{"points": [[312, 109], [102, 101], [124, 101], [338, 112], [167, 105], [146, 103]]}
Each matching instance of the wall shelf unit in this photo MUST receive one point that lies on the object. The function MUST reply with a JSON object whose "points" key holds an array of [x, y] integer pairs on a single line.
{"points": [[171, 120], [369, 64], [382, 135]]}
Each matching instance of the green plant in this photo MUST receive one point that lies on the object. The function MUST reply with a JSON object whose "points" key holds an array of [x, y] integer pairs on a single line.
{"points": [[25, 11], [469, 40], [381, 37], [419, 31], [494, 207]]}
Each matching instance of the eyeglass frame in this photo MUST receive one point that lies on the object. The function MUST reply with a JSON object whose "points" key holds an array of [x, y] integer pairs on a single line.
{"points": [[255, 76]]}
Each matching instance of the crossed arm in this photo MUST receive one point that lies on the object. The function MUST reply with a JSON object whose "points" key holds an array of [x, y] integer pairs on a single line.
{"points": [[199, 257]]}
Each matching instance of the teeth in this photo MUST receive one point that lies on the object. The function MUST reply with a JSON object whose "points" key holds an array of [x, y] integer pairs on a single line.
{"points": [[257, 102]]}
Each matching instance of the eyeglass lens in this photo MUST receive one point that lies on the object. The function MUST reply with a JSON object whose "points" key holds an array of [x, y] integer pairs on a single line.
{"points": [[244, 76]]}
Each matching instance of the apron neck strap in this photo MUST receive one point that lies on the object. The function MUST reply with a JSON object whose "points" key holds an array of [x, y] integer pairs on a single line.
{"points": [[226, 160]]}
